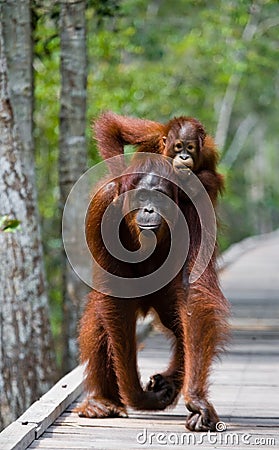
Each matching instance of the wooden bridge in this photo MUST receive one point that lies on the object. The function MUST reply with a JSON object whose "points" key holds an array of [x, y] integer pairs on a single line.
{"points": [[245, 384]]}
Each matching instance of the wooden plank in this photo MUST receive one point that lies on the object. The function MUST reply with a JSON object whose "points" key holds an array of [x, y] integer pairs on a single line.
{"points": [[235, 251], [55, 401], [43, 412], [17, 436], [144, 437]]}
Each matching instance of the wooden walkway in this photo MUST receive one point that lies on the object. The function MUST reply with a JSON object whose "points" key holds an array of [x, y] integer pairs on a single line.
{"points": [[245, 384]]}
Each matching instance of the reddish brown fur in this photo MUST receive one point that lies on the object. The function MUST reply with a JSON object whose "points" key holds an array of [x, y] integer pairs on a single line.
{"points": [[196, 314], [114, 131]]}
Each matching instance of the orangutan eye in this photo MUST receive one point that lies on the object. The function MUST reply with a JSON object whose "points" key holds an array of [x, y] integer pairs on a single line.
{"points": [[191, 147], [178, 146]]}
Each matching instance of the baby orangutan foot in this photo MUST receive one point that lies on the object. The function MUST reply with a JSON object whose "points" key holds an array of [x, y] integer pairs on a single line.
{"points": [[100, 407]]}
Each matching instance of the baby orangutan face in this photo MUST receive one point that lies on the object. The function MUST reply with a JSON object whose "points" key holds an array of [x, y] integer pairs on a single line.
{"points": [[183, 146]]}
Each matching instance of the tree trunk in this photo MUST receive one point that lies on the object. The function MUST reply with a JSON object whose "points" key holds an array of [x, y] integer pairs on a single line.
{"points": [[19, 53], [73, 155], [26, 356], [256, 174], [227, 104], [243, 131]]}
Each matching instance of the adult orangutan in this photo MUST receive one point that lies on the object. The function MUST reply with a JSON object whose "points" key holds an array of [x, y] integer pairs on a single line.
{"points": [[146, 197]]}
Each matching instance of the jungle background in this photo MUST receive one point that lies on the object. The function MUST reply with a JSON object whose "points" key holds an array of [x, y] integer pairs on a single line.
{"points": [[217, 61]]}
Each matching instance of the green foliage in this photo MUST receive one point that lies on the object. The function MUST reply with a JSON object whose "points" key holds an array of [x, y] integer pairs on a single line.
{"points": [[104, 8], [9, 225]]}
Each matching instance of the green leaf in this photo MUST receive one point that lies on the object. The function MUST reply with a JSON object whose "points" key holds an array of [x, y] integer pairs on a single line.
{"points": [[8, 225]]}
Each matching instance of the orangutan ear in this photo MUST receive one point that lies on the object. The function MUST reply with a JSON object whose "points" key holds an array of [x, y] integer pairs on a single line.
{"points": [[164, 140]]}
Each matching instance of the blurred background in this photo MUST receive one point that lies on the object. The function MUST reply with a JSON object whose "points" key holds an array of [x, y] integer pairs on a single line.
{"points": [[155, 59]]}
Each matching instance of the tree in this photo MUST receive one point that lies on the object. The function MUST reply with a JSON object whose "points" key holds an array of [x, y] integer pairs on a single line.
{"points": [[26, 352], [72, 155], [19, 54]]}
